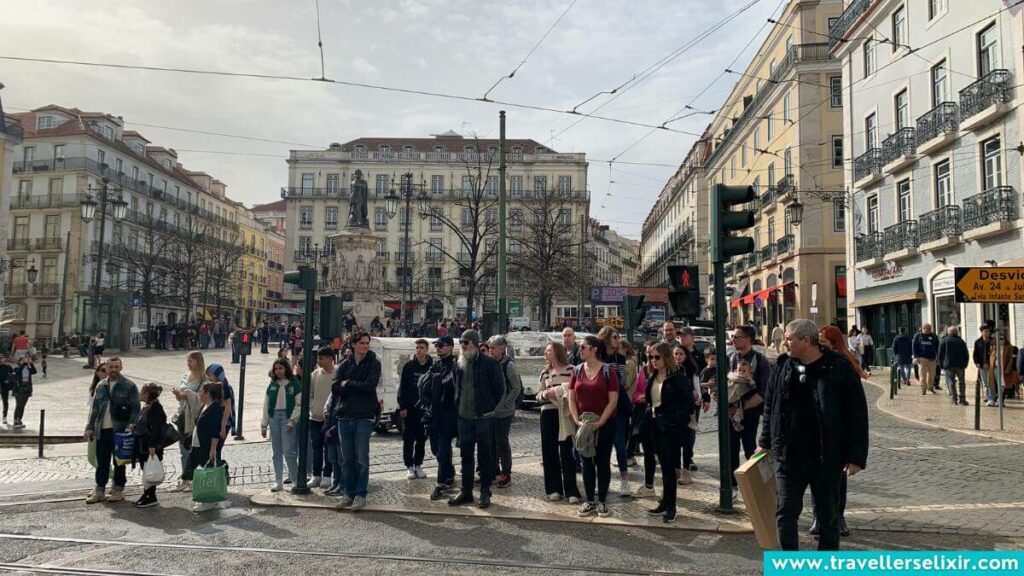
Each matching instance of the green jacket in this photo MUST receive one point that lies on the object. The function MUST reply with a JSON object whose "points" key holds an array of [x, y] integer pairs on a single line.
{"points": [[293, 390]]}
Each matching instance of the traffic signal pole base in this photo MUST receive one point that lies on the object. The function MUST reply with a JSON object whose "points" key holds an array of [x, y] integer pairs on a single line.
{"points": [[730, 511], [300, 490], [239, 437]]}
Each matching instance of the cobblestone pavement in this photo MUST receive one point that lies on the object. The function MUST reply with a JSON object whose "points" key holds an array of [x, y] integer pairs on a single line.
{"points": [[919, 478]]}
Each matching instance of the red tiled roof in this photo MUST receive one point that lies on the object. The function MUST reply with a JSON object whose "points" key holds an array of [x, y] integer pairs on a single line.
{"points": [[450, 144], [277, 206]]}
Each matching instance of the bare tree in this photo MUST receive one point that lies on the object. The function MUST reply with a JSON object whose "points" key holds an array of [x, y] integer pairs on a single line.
{"points": [[543, 252], [221, 266], [144, 255], [187, 251]]}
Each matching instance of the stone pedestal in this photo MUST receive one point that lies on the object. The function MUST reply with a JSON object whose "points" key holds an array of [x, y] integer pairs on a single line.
{"points": [[357, 271]]}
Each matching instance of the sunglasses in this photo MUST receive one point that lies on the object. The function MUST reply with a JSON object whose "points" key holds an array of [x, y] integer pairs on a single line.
{"points": [[655, 357]]}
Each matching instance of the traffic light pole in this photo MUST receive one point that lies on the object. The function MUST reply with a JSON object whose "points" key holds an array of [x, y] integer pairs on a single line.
{"points": [[722, 385], [241, 399], [300, 486]]}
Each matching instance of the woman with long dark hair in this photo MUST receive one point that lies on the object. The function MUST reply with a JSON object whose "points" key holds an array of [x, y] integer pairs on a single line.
{"points": [[688, 365], [614, 356], [556, 427], [280, 414], [593, 395], [670, 401]]}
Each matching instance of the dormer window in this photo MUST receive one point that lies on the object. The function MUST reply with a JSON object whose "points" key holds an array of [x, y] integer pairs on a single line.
{"points": [[407, 148], [541, 150], [44, 123], [384, 149], [492, 149], [439, 149], [469, 149], [360, 148], [517, 150]]}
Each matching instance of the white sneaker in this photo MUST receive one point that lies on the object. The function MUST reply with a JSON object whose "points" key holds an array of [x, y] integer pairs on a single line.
{"points": [[277, 487], [314, 482], [204, 506], [359, 503], [411, 475], [183, 486], [325, 482], [684, 477], [736, 496], [420, 473], [574, 500], [624, 489], [554, 497], [644, 492], [5, 421]]}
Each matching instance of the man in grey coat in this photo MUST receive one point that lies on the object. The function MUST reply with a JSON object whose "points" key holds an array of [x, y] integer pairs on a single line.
{"points": [[506, 409]]}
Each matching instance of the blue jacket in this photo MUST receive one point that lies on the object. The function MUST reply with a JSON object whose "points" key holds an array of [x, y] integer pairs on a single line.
{"points": [[926, 346], [903, 349]]}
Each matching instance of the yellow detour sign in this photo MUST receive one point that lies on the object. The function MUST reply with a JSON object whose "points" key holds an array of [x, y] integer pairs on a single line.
{"points": [[1005, 285]]}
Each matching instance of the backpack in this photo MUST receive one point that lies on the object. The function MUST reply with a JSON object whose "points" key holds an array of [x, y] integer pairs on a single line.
{"points": [[118, 412], [521, 395]]}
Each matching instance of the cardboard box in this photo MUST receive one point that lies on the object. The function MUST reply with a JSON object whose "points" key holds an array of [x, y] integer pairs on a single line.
{"points": [[756, 478]]}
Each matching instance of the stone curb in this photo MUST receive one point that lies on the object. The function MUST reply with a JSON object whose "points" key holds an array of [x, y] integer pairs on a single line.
{"points": [[291, 501]]}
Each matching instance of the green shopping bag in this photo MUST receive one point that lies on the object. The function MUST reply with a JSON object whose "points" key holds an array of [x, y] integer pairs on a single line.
{"points": [[210, 483], [91, 454]]}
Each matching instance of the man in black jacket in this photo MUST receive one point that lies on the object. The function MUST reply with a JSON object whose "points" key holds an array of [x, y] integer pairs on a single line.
{"points": [[982, 360], [356, 384], [751, 402], [953, 359], [437, 402], [413, 435], [816, 427], [481, 386]]}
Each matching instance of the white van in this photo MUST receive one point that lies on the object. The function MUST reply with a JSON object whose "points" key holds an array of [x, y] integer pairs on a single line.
{"points": [[518, 323], [393, 354]]}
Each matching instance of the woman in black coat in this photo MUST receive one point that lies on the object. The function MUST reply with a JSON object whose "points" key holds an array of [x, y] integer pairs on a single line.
{"points": [[149, 436], [207, 435], [670, 402]]}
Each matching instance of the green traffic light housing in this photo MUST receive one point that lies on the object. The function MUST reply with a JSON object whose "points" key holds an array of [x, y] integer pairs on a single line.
{"points": [[725, 221], [304, 278]]}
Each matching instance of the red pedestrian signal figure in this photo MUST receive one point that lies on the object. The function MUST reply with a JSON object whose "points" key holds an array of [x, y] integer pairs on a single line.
{"points": [[245, 343], [685, 278]]}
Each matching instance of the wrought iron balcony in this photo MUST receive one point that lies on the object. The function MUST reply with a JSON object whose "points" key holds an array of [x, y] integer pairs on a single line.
{"points": [[401, 255], [55, 243], [941, 223], [902, 143], [382, 256], [48, 289], [18, 244], [867, 164], [786, 184], [996, 87], [855, 10], [901, 236], [433, 256], [768, 253], [300, 192], [870, 246], [752, 259], [786, 244], [943, 119], [768, 198], [1000, 204]]}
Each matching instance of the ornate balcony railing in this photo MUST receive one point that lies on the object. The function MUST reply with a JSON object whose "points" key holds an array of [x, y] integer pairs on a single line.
{"points": [[55, 243], [867, 164], [786, 184], [768, 253], [870, 246], [902, 143], [944, 222], [768, 197], [855, 10], [51, 289], [19, 243], [786, 244], [752, 259], [992, 88], [1000, 204], [901, 236], [301, 192], [943, 119]]}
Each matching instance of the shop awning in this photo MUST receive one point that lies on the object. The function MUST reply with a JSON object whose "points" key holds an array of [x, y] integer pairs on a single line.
{"points": [[763, 294], [886, 293], [741, 291]]}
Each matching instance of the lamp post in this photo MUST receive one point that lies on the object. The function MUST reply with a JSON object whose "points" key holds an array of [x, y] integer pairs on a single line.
{"points": [[119, 209], [391, 204]]}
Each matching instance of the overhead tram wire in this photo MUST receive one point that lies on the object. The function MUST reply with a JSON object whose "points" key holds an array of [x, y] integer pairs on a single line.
{"points": [[320, 43], [348, 83], [530, 53], [653, 68]]}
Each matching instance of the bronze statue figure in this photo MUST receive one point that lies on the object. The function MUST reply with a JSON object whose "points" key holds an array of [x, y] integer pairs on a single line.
{"points": [[357, 204]]}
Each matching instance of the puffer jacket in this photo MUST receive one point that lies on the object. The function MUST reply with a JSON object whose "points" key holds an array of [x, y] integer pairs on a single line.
{"points": [[358, 397]]}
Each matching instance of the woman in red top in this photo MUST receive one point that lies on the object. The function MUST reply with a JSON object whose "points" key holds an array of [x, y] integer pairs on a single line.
{"points": [[594, 389]]}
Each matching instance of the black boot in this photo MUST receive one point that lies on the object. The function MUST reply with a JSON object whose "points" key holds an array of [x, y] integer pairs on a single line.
{"points": [[843, 529], [815, 530], [485, 501], [659, 510], [461, 498]]}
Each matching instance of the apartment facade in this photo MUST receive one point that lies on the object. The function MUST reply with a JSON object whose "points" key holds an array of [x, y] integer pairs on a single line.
{"points": [[932, 121], [676, 231], [447, 166], [11, 134], [780, 131], [68, 155]]}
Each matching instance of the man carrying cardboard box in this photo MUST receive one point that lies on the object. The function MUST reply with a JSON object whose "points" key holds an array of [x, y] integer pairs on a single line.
{"points": [[816, 427]]}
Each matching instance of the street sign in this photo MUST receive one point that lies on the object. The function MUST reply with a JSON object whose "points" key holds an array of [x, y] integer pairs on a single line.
{"points": [[999, 285], [758, 302], [136, 301], [515, 307], [814, 293]]}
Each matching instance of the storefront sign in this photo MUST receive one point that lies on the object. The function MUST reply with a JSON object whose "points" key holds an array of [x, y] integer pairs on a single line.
{"points": [[1004, 285], [943, 282], [608, 294], [888, 272]]}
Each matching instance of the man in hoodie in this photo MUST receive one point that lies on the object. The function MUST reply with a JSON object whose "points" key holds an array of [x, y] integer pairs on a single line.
{"points": [[506, 410], [926, 349], [356, 381], [480, 386], [413, 434], [440, 413]]}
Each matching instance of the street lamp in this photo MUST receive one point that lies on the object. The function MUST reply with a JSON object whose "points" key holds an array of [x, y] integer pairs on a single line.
{"points": [[119, 209], [795, 212], [31, 273], [391, 205]]}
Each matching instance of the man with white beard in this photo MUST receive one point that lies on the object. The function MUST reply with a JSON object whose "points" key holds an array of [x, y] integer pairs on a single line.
{"points": [[480, 386]]}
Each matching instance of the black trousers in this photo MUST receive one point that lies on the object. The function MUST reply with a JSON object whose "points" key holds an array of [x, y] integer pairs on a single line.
{"points": [[502, 445], [104, 459], [441, 435], [19, 406], [650, 446], [689, 441], [556, 455], [600, 465], [747, 438], [792, 483], [477, 436], [633, 440], [5, 393], [668, 443], [414, 438]]}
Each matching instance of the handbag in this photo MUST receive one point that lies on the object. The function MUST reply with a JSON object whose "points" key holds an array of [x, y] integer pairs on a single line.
{"points": [[153, 472], [171, 435], [124, 447], [210, 483], [91, 454]]}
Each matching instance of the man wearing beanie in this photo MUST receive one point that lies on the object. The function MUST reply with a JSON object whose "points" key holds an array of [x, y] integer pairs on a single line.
{"points": [[480, 385]]}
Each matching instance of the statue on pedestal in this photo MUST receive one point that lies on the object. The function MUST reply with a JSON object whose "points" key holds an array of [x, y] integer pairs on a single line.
{"points": [[357, 203]]}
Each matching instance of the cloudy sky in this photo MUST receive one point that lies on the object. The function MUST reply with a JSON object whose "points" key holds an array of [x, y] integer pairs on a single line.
{"points": [[450, 46]]}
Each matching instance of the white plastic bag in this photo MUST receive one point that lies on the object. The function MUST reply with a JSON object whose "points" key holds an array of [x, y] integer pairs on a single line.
{"points": [[153, 472]]}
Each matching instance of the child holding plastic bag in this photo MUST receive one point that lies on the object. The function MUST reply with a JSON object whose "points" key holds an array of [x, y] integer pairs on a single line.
{"points": [[149, 443]]}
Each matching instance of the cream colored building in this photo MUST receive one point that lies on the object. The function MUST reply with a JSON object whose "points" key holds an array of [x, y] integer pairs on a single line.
{"points": [[10, 136], [781, 131], [445, 165]]}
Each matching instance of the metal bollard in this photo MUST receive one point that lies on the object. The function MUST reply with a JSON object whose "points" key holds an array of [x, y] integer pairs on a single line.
{"points": [[42, 430]]}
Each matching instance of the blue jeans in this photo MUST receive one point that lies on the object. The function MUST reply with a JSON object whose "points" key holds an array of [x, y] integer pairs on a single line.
{"points": [[441, 435], [333, 450], [284, 447], [354, 434], [990, 389], [905, 372]]}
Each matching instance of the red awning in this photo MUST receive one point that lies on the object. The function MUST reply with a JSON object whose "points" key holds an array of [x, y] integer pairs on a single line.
{"points": [[392, 304], [762, 294]]}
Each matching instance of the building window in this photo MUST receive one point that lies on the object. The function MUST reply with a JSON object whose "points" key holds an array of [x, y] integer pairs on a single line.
{"points": [[771, 230], [403, 218], [743, 156], [491, 186], [902, 109], [565, 217], [837, 151], [331, 217], [56, 187], [306, 217], [757, 137], [869, 57], [943, 185], [870, 132], [101, 159], [435, 220], [515, 219], [44, 122], [732, 166], [381, 188], [771, 175], [516, 186], [836, 91], [466, 218], [51, 226], [565, 184], [992, 167], [437, 184], [380, 218], [384, 150], [899, 28], [988, 50], [936, 8], [787, 163], [333, 184], [786, 119], [903, 208], [305, 244], [307, 184], [434, 249], [770, 121], [407, 148], [756, 185], [45, 313], [940, 83], [540, 183], [873, 214], [832, 24], [838, 215]]}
